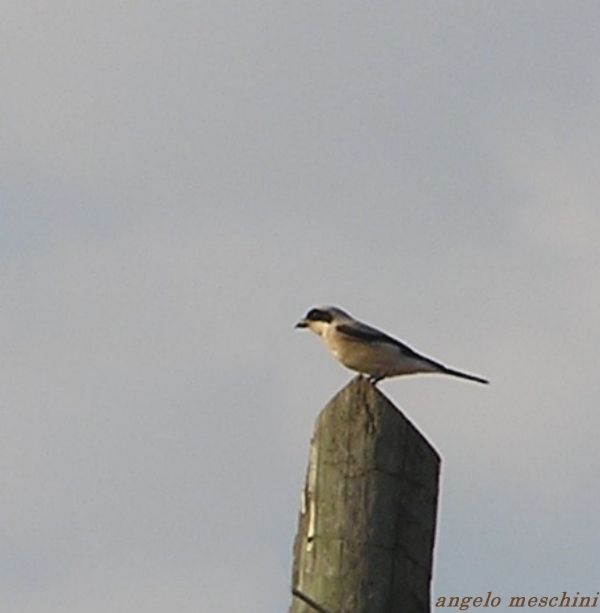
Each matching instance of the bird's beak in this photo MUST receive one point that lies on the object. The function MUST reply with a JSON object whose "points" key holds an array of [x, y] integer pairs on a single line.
{"points": [[301, 324]]}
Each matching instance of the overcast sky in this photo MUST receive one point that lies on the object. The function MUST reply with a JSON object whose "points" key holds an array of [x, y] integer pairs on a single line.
{"points": [[181, 181]]}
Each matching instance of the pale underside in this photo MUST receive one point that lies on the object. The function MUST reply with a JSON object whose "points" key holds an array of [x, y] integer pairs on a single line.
{"points": [[377, 359]]}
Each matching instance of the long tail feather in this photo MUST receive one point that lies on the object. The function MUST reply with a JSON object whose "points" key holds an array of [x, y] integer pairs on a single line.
{"points": [[464, 375]]}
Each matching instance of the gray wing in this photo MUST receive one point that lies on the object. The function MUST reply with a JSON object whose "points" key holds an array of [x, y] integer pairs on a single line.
{"points": [[365, 333]]}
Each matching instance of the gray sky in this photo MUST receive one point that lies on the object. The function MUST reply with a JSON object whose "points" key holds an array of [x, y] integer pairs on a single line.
{"points": [[182, 181]]}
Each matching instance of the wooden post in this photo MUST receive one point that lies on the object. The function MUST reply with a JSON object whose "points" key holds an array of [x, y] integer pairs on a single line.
{"points": [[367, 524]]}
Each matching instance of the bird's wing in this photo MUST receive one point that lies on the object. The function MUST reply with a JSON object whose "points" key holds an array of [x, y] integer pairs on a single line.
{"points": [[356, 330], [367, 334]]}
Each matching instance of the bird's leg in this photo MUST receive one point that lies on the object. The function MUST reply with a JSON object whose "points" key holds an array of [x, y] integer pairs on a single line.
{"points": [[374, 380]]}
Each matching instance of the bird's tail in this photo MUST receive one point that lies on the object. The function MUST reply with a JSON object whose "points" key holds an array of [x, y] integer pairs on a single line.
{"points": [[463, 375]]}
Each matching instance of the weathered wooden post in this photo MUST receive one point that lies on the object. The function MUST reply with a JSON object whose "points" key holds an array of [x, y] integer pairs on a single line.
{"points": [[367, 524]]}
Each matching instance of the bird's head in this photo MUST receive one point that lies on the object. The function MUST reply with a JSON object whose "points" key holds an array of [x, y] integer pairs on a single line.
{"points": [[319, 319]]}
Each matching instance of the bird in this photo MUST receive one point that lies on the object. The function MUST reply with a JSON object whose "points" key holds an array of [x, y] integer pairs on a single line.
{"points": [[369, 351]]}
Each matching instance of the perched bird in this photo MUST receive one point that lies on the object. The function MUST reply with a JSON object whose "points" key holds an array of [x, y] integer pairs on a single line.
{"points": [[368, 350]]}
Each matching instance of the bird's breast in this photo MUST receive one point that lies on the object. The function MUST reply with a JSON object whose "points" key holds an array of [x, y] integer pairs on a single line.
{"points": [[375, 359]]}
